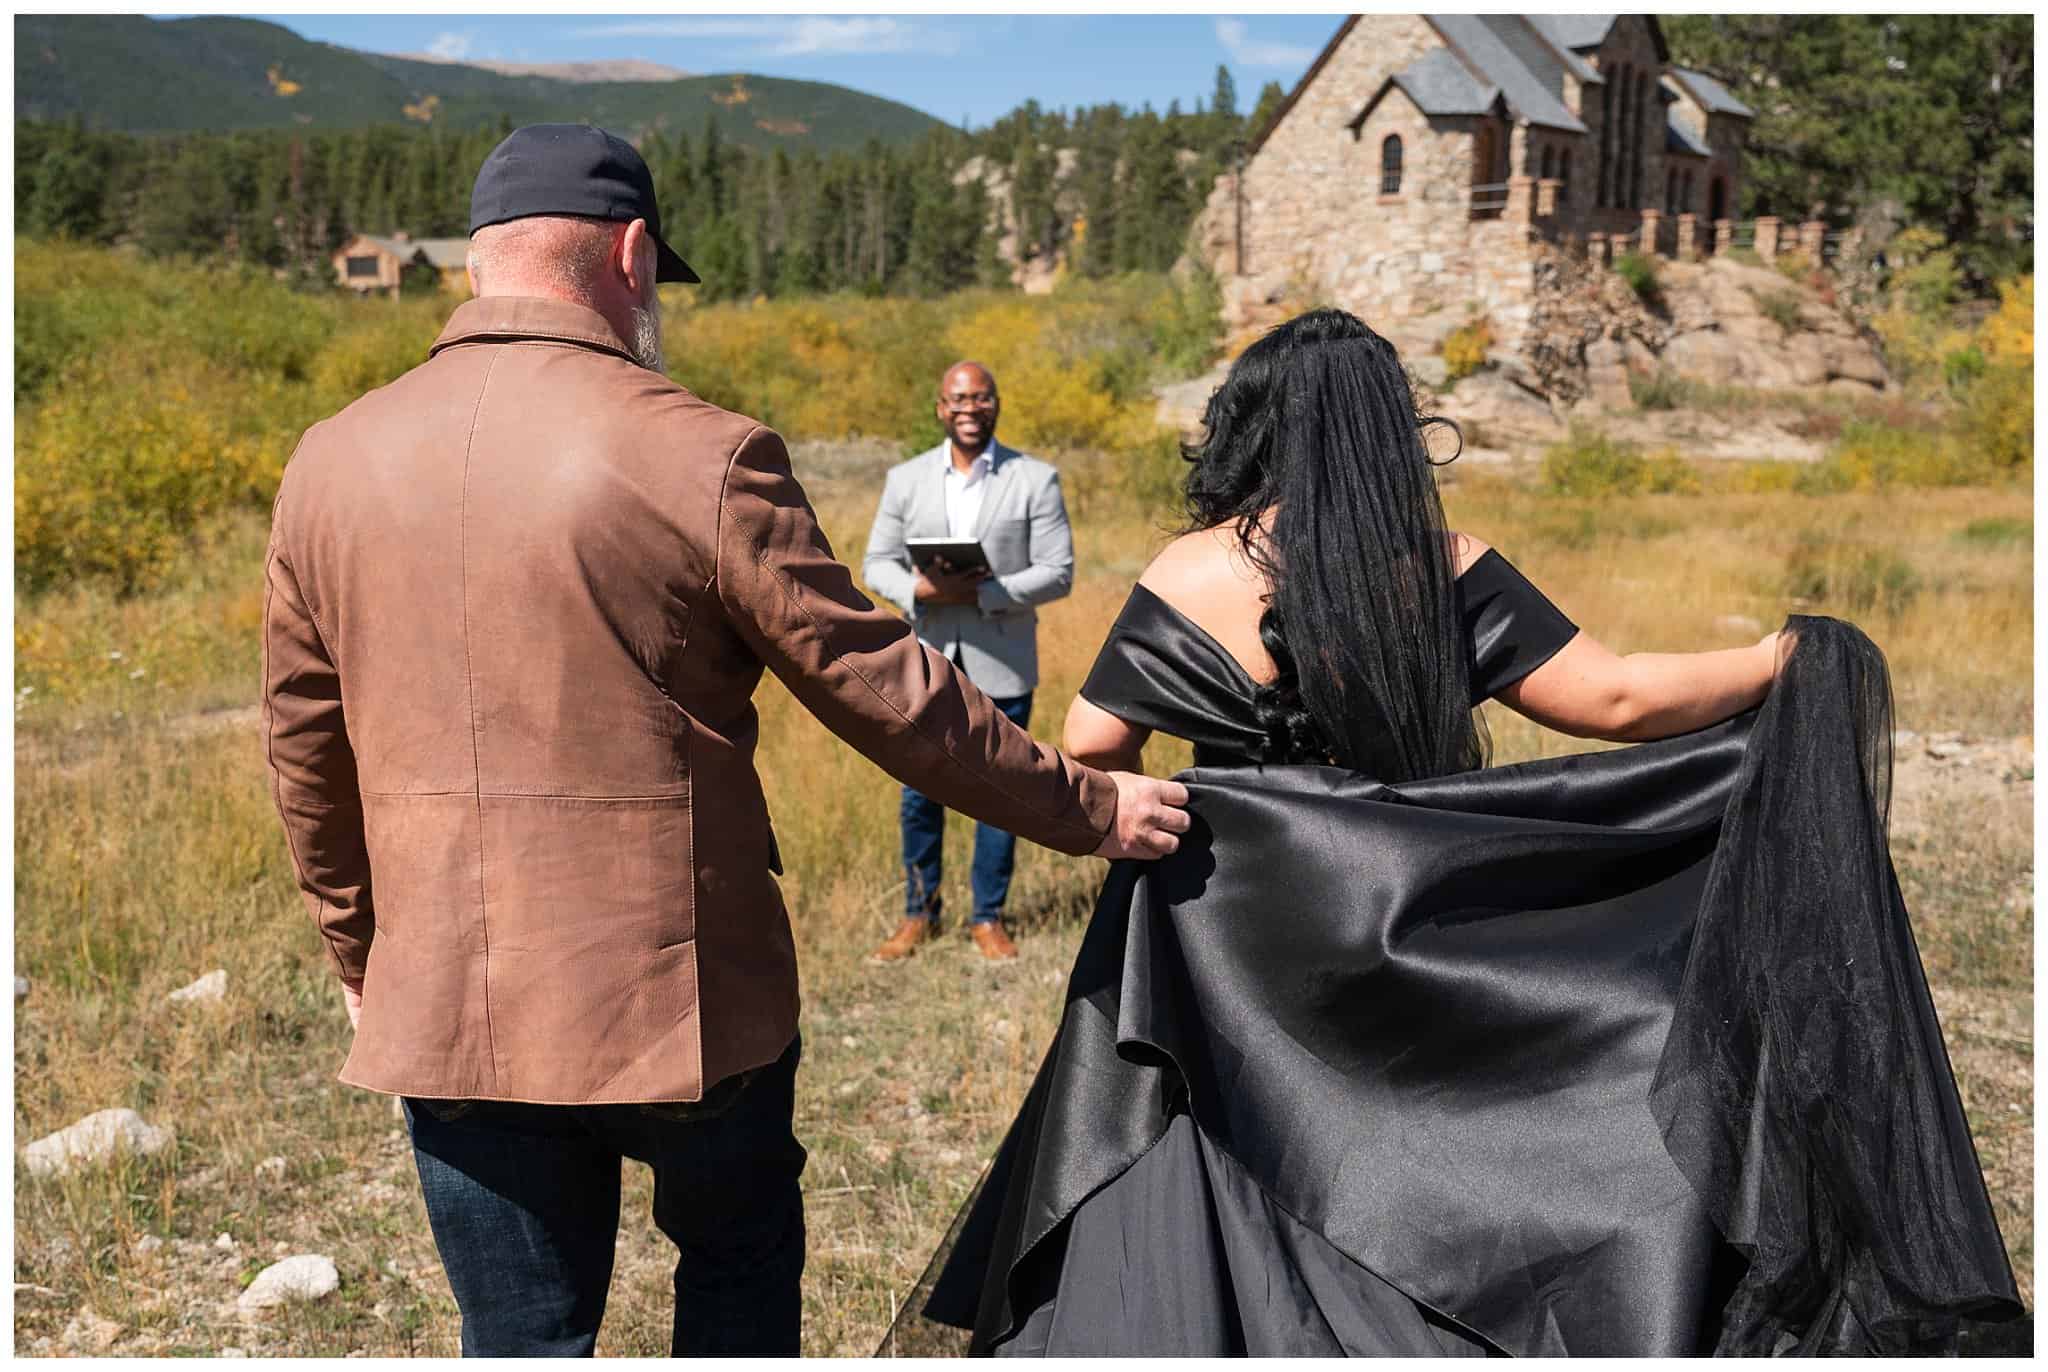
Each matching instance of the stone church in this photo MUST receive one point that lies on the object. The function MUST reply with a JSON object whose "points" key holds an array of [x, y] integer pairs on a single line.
{"points": [[1419, 167]]}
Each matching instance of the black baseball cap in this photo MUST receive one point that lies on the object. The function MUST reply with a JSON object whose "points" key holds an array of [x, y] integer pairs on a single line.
{"points": [[571, 169]]}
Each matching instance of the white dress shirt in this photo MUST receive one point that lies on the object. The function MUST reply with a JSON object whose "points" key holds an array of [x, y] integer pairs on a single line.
{"points": [[963, 495]]}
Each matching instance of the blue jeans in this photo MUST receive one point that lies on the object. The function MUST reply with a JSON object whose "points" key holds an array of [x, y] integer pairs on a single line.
{"points": [[524, 1203], [924, 836]]}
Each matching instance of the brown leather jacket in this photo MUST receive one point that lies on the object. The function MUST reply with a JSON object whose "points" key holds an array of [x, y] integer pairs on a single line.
{"points": [[517, 605]]}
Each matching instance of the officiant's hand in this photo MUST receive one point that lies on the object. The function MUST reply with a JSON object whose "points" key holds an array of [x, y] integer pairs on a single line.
{"points": [[942, 585], [1149, 817], [352, 1001]]}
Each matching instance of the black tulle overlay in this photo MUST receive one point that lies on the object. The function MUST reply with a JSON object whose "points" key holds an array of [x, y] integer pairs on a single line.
{"points": [[1620, 1053]]}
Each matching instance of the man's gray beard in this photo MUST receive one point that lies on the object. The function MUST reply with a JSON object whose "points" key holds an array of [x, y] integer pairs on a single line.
{"points": [[646, 342]]}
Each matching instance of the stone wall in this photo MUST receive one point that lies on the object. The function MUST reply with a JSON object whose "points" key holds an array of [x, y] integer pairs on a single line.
{"points": [[1726, 136], [1628, 59], [1307, 189]]}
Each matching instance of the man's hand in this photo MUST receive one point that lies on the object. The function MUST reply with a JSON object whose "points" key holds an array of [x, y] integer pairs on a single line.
{"points": [[944, 586], [352, 1000], [1149, 820]]}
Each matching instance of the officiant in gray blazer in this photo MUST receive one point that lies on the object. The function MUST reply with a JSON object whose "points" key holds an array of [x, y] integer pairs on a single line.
{"points": [[986, 621]]}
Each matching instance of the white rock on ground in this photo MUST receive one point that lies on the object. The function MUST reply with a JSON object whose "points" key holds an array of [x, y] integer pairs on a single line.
{"points": [[213, 986], [94, 1139], [91, 1331], [270, 1169], [20, 988], [301, 1277]]}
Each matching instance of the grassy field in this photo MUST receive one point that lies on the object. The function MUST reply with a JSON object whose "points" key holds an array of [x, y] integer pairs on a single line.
{"points": [[147, 854]]}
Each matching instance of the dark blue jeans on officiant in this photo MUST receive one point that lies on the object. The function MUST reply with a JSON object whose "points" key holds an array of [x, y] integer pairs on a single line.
{"points": [[924, 837], [524, 1203]]}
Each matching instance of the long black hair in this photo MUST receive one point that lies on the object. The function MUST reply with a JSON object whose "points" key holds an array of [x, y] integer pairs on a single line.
{"points": [[1316, 424]]}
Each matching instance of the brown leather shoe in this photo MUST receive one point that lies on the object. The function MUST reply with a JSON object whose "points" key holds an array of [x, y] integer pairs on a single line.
{"points": [[995, 945], [904, 941]]}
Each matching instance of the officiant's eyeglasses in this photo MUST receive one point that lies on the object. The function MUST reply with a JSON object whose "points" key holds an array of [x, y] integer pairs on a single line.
{"points": [[980, 400]]}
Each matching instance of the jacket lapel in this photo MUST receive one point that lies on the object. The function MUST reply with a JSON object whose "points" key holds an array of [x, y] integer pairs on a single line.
{"points": [[994, 488]]}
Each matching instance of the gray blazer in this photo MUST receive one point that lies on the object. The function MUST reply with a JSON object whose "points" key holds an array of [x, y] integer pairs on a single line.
{"points": [[1023, 529]]}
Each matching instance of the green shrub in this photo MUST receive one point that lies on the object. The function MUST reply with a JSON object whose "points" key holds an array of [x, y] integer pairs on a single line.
{"points": [[1870, 455], [1661, 390], [1464, 349], [1997, 532], [1994, 419], [1188, 327], [1962, 366], [1794, 265], [1835, 576], [1592, 464], [112, 478], [1924, 271], [1641, 274], [1780, 307], [1748, 257]]}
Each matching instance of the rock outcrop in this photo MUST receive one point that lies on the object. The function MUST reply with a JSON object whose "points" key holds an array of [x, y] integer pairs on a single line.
{"points": [[1719, 323]]}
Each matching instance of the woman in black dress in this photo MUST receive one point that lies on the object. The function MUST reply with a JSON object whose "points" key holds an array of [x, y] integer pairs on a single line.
{"points": [[1621, 1053]]}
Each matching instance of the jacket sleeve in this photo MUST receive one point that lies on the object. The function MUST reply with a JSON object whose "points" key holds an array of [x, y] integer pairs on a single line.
{"points": [[1051, 573], [313, 770], [886, 567], [863, 673]]}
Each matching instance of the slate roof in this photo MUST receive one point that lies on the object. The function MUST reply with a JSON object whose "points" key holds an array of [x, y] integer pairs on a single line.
{"points": [[1580, 31], [1439, 83], [1480, 64], [1574, 30], [445, 254], [1711, 94], [1679, 138], [1476, 40]]}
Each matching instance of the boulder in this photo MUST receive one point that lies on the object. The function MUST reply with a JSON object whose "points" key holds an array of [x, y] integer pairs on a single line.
{"points": [[1492, 408], [1182, 404], [1708, 356], [302, 1277], [1852, 358], [1806, 359], [94, 1139]]}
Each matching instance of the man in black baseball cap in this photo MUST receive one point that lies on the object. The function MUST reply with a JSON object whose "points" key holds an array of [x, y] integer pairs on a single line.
{"points": [[566, 211], [571, 169]]}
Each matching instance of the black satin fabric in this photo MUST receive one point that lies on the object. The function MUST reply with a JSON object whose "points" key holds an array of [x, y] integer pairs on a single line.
{"points": [[1401, 1046], [1160, 670]]}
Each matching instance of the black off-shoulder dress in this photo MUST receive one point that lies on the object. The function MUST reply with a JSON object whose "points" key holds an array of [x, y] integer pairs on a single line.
{"points": [[1619, 1053]]}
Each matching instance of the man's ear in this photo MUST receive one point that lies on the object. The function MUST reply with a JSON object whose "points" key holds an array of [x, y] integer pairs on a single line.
{"points": [[628, 249]]}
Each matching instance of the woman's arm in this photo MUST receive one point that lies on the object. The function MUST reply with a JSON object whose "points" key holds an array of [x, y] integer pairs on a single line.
{"points": [[1100, 740], [1588, 691]]}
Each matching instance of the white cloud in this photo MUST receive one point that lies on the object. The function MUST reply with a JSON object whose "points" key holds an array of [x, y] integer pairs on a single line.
{"points": [[1249, 52], [453, 46], [797, 36]]}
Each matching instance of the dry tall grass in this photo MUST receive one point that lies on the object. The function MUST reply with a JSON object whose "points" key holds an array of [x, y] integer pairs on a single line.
{"points": [[147, 854]]}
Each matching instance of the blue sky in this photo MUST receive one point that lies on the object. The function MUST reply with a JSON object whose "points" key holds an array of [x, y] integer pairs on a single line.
{"points": [[951, 66]]}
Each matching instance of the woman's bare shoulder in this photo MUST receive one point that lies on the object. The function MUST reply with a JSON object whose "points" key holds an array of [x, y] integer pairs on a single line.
{"points": [[1198, 564], [1466, 550]]}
